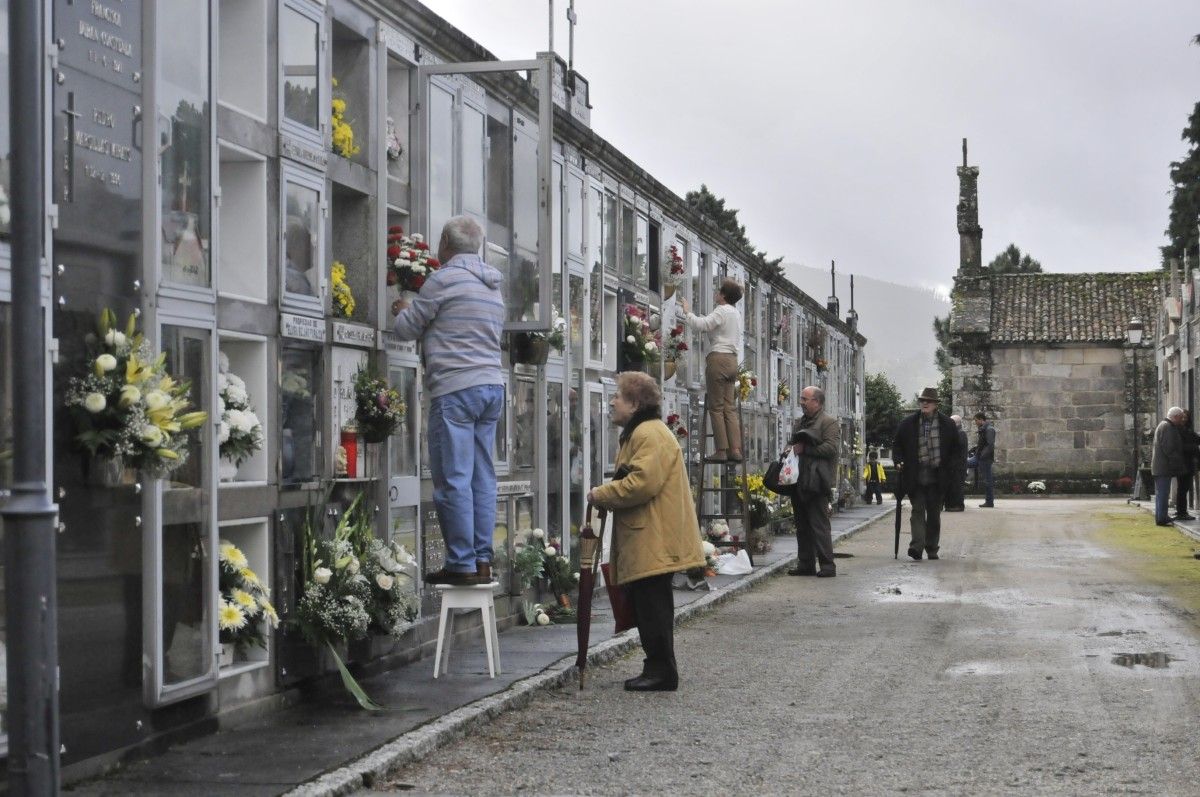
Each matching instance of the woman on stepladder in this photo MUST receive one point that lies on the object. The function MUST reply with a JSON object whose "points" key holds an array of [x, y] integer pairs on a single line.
{"points": [[725, 351]]}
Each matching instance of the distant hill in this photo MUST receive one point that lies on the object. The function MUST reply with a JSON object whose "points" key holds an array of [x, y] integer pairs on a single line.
{"points": [[897, 321]]}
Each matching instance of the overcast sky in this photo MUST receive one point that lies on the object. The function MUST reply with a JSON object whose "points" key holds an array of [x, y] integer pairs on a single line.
{"points": [[836, 128]]}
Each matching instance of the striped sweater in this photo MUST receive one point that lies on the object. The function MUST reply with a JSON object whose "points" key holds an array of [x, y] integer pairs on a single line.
{"points": [[458, 317]]}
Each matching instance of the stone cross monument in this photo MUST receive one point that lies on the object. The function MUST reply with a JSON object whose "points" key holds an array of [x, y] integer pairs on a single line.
{"points": [[970, 234]]}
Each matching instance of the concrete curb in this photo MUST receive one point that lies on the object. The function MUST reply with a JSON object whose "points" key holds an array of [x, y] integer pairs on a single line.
{"points": [[1182, 528], [416, 744]]}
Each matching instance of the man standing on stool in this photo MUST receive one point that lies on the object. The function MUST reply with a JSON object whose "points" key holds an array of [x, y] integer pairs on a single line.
{"points": [[724, 325], [459, 317], [814, 535], [925, 448]]}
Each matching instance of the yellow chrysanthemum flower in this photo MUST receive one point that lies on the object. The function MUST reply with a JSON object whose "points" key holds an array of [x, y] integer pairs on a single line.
{"points": [[250, 577], [244, 600], [233, 555], [230, 617], [269, 612]]}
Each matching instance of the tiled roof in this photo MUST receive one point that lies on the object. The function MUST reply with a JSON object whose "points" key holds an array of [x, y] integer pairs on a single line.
{"points": [[1073, 308]]}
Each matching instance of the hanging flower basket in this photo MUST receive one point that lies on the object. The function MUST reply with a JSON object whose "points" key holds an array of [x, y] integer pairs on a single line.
{"points": [[669, 369], [528, 348], [379, 408]]}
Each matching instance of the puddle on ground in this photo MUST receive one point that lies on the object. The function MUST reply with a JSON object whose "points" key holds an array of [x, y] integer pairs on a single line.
{"points": [[1155, 661], [1119, 633]]}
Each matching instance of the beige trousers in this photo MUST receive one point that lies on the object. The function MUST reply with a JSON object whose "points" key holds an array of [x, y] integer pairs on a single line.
{"points": [[720, 381]]}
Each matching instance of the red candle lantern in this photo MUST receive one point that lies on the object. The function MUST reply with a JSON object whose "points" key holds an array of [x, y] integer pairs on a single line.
{"points": [[350, 446]]}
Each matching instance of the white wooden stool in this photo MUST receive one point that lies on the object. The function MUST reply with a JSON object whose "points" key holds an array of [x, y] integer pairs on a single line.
{"points": [[475, 596]]}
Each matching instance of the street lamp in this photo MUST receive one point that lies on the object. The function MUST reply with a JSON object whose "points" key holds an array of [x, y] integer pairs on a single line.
{"points": [[1133, 334]]}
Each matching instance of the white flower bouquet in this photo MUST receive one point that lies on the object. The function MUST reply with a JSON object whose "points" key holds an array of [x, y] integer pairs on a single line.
{"points": [[245, 612], [391, 571], [127, 407], [336, 600], [240, 434]]}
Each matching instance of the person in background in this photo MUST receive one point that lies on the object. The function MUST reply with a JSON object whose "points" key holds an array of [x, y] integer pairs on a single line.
{"points": [[815, 434], [459, 318], [955, 498], [1166, 462], [925, 449], [1183, 484], [654, 524], [874, 477], [724, 328], [985, 455]]}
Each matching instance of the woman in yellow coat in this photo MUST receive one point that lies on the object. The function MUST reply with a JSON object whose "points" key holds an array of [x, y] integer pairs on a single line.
{"points": [[655, 530]]}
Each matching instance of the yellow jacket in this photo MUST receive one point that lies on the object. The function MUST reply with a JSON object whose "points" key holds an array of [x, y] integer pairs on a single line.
{"points": [[880, 476], [654, 529]]}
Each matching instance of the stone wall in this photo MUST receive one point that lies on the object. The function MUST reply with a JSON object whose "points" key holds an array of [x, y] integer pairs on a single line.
{"points": [[1063, 413]]}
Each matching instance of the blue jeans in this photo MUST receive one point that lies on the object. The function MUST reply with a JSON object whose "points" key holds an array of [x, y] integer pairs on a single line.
{"points": [[985, 476], [1162, 491], [462, 433]]}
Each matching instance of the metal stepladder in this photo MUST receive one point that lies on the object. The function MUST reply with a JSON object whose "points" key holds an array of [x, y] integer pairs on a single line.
{"points": [[724, 486]]}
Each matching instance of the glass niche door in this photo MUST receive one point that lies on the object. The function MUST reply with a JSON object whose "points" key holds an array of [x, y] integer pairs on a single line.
{"points": [[180, 625], [404, 474]]}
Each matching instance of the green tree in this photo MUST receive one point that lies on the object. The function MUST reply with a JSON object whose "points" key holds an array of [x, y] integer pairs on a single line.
{"points": [[713, 207], [941, 358], [1013, 261], [1182, 231], [884, 409]]}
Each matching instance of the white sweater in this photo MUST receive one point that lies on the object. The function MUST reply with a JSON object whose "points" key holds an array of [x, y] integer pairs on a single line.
{"points": [[724, 325]]}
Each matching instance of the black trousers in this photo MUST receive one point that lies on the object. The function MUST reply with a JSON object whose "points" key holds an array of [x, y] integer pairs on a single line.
{"points": [[874, 490], [1183, 487], [654, 608], [926, 519], [814, 533]]}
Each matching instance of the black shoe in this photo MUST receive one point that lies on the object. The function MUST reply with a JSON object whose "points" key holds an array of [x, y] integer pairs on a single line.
{"points": [[734, 458], [826, 574], [933, 555], [802, 571], [987, 506], [1184, 517], [916, 555], [649, 683], [1163, 523], [452, 578]]}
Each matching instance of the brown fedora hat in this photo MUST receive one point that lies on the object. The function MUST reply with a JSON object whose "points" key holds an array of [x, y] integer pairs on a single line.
{"points": [[929, 394]]}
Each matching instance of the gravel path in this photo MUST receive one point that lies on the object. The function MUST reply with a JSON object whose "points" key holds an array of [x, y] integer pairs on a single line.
{"points": [[990, 671]]}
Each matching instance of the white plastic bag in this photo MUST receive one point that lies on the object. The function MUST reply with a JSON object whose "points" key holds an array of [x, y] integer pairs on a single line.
{"points": [[789, 473], [734, 564]]}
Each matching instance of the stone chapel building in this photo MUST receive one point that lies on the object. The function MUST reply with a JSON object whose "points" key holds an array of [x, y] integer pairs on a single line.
{"points": [[1047, 358]]}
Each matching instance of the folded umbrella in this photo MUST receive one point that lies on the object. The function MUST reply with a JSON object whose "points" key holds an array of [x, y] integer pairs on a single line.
{"points": [[589, 556]]}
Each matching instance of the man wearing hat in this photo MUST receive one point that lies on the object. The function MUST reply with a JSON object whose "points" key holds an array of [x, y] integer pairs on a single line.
{"points": [[926, 449]]}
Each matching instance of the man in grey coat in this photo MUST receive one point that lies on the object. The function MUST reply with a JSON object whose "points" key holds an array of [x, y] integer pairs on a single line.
{"points": [[817, 435], [1166, 462]]}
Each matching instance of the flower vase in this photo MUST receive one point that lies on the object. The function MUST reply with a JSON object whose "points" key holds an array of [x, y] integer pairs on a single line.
{"points": [[564, 600], [109, 472], [227, 469], [408, 296], [669, 368], [226, 654], [668, 291]]}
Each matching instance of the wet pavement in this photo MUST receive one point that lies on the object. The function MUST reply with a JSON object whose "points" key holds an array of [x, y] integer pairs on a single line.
{"points": [[1035, 657], [314, 746]]}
